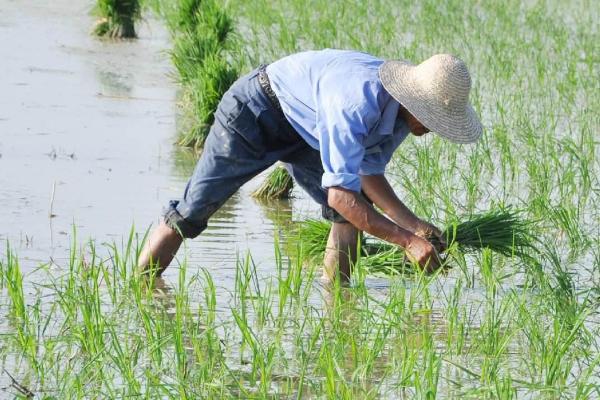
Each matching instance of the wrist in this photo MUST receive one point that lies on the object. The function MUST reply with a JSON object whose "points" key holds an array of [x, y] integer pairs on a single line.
{"points": [[405, 238]]}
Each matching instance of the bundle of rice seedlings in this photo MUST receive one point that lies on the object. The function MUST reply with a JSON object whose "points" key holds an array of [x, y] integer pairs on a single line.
{"points": [[384, 259], [190, 52], [200, 30], [502, 230], [187, 15], [313, 235], [203, 93], [277, 185], [117, 18], [375, 256], [183, 15], [197, 36]]}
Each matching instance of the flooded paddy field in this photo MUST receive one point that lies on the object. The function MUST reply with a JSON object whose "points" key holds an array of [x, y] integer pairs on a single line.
{"points": [[87, 161]]}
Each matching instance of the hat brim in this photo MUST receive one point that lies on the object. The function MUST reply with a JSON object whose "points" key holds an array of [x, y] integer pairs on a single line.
{"points": [[462, 126]]}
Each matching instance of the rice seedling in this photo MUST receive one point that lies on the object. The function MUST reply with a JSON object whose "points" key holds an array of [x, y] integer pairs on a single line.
{"points": [[182, 15], [427, 376], [275, 341], [311, 236], [118, 18], [14, 286], [277, 185]]}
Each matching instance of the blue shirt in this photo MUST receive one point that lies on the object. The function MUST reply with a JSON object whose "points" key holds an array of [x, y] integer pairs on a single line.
{"points": [[336, 102]]}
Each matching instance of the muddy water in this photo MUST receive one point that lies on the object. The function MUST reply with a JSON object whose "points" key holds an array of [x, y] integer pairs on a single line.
{"points": [[86, 142]]}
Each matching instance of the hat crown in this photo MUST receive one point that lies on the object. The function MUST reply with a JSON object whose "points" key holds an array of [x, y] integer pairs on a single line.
{"points": [[446, 80]]}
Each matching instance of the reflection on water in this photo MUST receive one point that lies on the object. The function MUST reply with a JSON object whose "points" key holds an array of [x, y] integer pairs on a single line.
{"points": [[114, 83], [183, 161]]}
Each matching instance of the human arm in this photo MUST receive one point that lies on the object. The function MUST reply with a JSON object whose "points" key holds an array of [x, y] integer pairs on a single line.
{"points": [[356, 210], [380, 192]]}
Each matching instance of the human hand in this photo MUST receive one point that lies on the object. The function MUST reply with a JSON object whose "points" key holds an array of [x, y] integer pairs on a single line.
{"points": [[421, 251], [433, 234]]}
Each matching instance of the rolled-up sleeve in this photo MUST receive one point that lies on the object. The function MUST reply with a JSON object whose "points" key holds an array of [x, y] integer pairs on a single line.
{"points": [[344, 117]]}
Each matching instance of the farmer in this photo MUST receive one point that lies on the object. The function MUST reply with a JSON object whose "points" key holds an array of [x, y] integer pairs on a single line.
{"points": [[334, 118]]}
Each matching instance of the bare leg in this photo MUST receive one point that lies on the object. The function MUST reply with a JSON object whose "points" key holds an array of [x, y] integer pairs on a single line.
{"points": [[160, 249], [340, 252]]}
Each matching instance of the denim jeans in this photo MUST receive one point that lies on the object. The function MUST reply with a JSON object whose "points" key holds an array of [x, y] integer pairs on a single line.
{"points": [[248, 135]]}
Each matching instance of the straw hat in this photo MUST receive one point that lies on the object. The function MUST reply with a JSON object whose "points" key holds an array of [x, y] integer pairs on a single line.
{"points": [[436, 92]]}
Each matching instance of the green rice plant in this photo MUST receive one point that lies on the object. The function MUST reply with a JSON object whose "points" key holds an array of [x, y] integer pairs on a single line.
{"points": [[187, 15], [87, 338], [14, 286], [190, 51], [456, 326], [311, 235], [566, 218], [552, 346], [124, 354], [278, 185], [585, 385], [212, 14], [211, 348], [3, 272], [504, 388], [375, 256], [20, 317], [118, 18], [499, 334], [427, 376], [380, 258]]}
